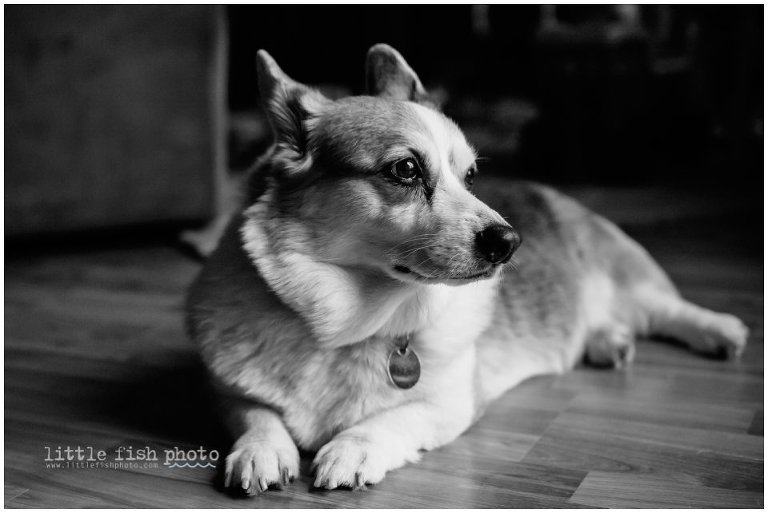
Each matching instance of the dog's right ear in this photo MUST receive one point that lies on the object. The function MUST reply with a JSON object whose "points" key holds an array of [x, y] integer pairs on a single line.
{"points": [[290, 108], [389, 76]]}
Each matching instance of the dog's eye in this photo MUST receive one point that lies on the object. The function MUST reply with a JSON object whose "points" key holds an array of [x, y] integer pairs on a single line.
{"points": [[406, 170], [469, 179]]}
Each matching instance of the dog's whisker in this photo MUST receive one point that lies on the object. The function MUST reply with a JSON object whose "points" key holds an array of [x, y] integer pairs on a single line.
{"points": [[415, 250], [450, 262], [416, 238], [394, 251], [412, 241]]}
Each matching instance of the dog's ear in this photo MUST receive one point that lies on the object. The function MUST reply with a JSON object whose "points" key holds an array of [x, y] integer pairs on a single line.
{"points": [[389, 76], [291, 108]]}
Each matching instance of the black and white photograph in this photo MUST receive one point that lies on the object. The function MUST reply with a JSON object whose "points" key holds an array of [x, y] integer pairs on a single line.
{"points": [[384, 256]]}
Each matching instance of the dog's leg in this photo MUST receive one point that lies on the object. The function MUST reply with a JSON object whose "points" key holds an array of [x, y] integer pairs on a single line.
{"points": [[611, 346], [645, 299], [609, 340], [702, 330], [365, 452], [264, 454], [665, 313]]}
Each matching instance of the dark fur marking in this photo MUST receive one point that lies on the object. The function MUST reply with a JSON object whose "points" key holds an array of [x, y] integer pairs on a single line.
{"points": [[298, 115], [365, 131], [355, 137]]}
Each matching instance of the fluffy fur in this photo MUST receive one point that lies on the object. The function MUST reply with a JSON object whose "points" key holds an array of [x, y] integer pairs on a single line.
{"points": [[297, 310]]}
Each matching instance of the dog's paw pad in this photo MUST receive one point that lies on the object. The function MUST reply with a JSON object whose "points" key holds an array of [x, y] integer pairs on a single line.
{"points": [[612, 347], [256, 466], [349, 462]]}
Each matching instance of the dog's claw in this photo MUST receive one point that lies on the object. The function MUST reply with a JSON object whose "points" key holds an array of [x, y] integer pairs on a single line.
{"points": [[359, 481], [246, 484]]}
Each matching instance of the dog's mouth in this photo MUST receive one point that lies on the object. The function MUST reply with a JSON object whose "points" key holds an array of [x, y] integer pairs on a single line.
{"points": [[415, 275]]}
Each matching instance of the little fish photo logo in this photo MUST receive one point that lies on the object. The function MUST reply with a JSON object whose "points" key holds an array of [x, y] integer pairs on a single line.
{"points": [[127, 457], [194, 458]]}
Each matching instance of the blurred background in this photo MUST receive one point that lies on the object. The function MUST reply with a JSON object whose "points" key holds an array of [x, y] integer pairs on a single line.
{"points": [[137, 116]]}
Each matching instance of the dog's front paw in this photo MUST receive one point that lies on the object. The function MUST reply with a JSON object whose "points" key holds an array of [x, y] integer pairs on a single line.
{"points": [[349, 462], [255, 465]]}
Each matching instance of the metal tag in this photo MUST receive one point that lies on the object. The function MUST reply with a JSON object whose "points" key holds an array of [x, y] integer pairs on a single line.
{"points": [[404, 367]]}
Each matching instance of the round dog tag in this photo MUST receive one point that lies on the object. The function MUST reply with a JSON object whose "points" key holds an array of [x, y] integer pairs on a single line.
{"points": [[404, 367]]}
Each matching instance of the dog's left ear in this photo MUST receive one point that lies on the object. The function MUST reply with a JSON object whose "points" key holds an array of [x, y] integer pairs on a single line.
{"points": [[389, 76]]}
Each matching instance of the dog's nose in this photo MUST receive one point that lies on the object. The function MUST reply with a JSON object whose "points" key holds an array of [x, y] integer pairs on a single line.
{"points": [[497, 243]]}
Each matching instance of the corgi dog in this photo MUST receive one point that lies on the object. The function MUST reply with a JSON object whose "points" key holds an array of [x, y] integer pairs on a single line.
{"points": [[365, 305]]}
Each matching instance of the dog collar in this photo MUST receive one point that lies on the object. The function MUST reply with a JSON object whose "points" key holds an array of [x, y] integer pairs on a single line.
{"points": [[404, 367]]}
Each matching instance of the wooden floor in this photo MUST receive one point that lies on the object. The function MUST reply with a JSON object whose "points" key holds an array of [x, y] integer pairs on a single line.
{"points": [[95, 355]]}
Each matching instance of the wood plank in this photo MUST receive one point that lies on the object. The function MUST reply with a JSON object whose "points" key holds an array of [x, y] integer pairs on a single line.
{"points": [[707, 458], [630, 490]]}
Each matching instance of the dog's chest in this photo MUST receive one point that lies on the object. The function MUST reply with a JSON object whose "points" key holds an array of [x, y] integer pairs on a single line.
{"points": [[336, 389]]}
